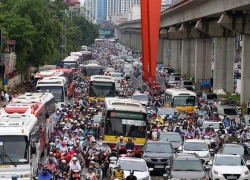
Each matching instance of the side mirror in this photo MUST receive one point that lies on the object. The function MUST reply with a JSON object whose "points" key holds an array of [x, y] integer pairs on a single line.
{"points": [[207, 168], [150, 169], [180, 148], [210, 163]]}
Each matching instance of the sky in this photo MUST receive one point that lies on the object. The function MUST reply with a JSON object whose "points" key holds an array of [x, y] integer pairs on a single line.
{"points": [[82, 2]]}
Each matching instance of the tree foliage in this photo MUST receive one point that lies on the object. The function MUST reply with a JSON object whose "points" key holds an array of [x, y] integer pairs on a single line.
{"points": [[37, 27]]}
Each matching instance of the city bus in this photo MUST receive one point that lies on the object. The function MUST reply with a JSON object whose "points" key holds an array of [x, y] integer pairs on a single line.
{"points": [[47, 73], [99, 41], [17, 131], [78, 54], [57, 86], [71, 62], [101, 87], [87, 55], [181, 99], [127, 118], [92, 69], [69, 76]]}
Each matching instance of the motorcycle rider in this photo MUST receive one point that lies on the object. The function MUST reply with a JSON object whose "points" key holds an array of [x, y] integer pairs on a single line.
{"points": [[189, 134], [206, 133], [233, 138], [113, 154], [119, 143], [131, 176], [106, 149], [165, 176], [183, 115], [130, 144], [118, 173], [45, 175]]}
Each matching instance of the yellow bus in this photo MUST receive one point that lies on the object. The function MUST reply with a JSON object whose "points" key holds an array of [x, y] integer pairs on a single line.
{"points": [[127, 118], [99, 41], [92, 69], [181, 99], [101, 87]]}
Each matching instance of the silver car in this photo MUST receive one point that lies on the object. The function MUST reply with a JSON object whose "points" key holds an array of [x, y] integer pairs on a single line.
{"points": [[174, 80]]}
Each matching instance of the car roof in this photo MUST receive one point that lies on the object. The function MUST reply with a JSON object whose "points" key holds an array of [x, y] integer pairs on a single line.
{"points": [[195, 140], [132, 159], [228, 155], [158, 142], [169, 133], [233, 144], [187, 157], [212, 122]]}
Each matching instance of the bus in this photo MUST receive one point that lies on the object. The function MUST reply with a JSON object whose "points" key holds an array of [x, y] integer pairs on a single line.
{"points": [[101, 87], [127, 118], [99, 41], [47, 73], [87, 55], [57, 86], [181, 99], [17, 131], [69, 76], [78, 54], [92, 69], [71, 62]]}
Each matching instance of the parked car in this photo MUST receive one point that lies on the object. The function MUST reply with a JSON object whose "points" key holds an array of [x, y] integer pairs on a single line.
{"points": [[188, 85]]}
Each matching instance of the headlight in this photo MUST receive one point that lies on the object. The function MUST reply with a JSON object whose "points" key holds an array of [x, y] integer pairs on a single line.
{"points": [[217, 173], [245, 173], [147, 159]]}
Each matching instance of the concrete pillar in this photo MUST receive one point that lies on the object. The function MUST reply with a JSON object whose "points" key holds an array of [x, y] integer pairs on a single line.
{"points": [[224, 49], [132, 39], [139, 42], [203, 56], [245, 67], [166, 51], [176, 54], [160, 51], [188, 57]]}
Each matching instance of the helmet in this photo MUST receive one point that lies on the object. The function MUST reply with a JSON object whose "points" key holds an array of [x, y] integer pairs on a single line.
{"points": [[118, 167], [64, 161], [131, 172], [74, 158], [165, 175]]}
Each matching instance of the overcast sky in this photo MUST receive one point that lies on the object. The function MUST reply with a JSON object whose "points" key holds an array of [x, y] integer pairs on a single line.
{"points": [[82, 2]]}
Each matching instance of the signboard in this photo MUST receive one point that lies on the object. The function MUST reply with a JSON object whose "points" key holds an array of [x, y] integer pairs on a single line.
{"points": [[104, 32], [101, 84], [133, 122], [127, 115]]}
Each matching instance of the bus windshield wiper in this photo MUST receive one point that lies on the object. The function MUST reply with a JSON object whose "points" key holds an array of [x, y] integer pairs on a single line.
{"points": [[10, 160]]}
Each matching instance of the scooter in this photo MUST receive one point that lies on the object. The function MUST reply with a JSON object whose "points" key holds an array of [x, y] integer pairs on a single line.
{"points": [[76, 174], [112, 164]]}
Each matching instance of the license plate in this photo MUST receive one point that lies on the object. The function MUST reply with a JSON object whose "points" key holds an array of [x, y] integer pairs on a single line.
{"points": [[231, 177], [159, 166]]}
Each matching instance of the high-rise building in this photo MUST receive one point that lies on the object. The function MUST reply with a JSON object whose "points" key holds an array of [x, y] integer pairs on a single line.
{"points": [[96, 10]]}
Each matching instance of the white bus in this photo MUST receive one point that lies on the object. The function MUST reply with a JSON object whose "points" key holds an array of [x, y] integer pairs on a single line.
{"points": [[57, 86], [47, 73], [72, 62], [124, 117], [180, 98]]}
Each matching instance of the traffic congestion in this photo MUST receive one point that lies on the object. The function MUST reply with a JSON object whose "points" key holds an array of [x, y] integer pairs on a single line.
{"points": [[93, 118]]}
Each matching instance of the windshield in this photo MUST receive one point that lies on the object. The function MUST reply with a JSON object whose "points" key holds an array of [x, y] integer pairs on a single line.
{"points": [[102, 89], [159, 148], [140, 97], [174, 78], [234, 150], [188, 83], [110, 70], [57, 92], [229, 161], [195, 146], [116, 75], [187, 165], [184, 100], [215, 125], [97, 119], [68, 65], [227, 111], [165, 111], [126, 127], [133, 165], [15, 149], [211, 96], [90, 71], [171, 137]]}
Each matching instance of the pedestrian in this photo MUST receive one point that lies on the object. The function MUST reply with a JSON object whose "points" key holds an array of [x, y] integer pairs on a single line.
{"points": [[165, 176], [248, 107]]}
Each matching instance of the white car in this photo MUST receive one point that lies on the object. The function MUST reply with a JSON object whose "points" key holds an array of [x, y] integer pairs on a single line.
{"points": [[117, 77], [231, 167], [138, 165], [197, 146], [142, 97]]}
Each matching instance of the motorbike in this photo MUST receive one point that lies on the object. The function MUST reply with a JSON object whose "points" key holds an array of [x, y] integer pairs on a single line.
{"points": [[112, 164], [76, 174], [70, 146], [207, 139], [99, 171], [154, 133]]}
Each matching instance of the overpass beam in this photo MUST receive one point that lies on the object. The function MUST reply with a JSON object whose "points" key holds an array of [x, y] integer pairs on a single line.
{"points": [[203, 56], [224, 49], [245, 75], [176, 54], [187, 57]]}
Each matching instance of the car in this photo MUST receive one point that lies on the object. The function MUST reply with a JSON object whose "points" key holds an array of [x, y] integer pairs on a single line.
{"points": [[228, 166], [175, 74], [187, 166], [93, 62], [97, 119], [141, 97], [164, 111], [174, 137], [174, 80], [232, 148], [117, 77], [229, 111], [138, 165], [188, 85], [197, 146], [211, 97], [158, 154], [216, 125], [110, 70]]}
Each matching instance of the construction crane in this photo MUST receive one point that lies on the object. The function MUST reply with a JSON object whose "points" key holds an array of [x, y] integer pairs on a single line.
{"points": [[150, 23]]}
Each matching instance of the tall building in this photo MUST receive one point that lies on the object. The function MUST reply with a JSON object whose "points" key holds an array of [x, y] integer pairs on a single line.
{"points": [[96, 10]]}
